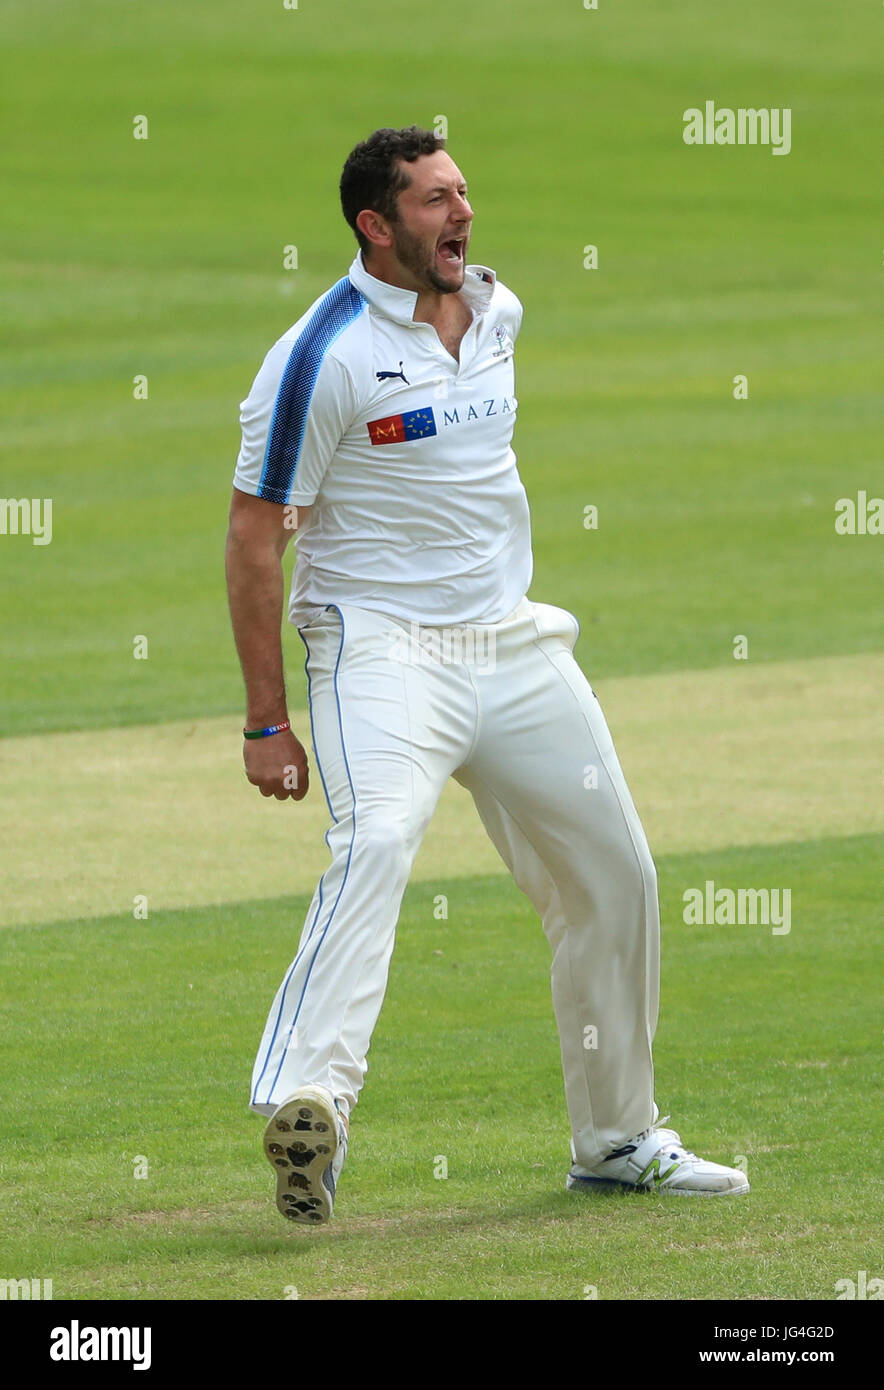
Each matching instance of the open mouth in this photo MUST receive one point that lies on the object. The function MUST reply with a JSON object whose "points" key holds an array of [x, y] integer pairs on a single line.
{"points": [[451, 251]]}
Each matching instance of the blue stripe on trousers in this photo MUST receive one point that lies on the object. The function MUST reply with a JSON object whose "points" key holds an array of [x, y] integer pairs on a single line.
{"points": [[319, 903]]}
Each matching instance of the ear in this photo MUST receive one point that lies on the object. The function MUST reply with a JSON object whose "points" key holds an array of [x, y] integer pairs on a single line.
{"points": [[375, 228]]}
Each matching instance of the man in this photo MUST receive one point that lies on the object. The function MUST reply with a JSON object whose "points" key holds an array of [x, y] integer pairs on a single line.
{"points": [[380, 426]]}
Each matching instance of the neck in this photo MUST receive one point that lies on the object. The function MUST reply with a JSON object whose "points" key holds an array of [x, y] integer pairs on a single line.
{"points": [[432, 304]]}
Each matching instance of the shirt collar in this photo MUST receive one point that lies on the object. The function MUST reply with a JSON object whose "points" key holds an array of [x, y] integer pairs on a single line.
{"points": [[399, 304]]}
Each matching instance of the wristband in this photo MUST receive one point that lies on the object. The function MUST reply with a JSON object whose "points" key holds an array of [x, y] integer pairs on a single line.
{"points": [[265, 733]]}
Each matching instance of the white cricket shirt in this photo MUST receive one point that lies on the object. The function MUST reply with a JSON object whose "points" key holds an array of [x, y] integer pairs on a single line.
{"points": [[403, 453]]}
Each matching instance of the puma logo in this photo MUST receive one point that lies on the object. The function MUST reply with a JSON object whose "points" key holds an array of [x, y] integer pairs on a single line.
{"points": [[393, 376]]}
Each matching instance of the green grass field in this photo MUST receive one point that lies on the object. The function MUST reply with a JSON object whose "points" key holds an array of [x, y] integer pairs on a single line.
{"points": [[133, 1036], [128, 1040]]}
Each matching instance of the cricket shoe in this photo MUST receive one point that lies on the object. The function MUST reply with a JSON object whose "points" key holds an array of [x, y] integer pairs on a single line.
{"points": [[305, 1141], [656, 1160]]}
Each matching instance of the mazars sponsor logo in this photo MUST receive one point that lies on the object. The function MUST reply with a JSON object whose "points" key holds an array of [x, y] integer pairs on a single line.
{"points": [[479, 410], [710, 906], [76, 1343]]}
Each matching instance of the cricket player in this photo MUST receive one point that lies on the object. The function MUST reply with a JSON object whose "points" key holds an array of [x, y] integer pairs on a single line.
{"points": [[379, 429]]}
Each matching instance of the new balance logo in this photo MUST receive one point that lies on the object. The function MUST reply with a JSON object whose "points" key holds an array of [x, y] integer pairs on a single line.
{"points": [[654, 1167], [393, 376]]}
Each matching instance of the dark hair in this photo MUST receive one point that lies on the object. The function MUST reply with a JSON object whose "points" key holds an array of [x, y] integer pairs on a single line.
{"points": [[373, 177]]}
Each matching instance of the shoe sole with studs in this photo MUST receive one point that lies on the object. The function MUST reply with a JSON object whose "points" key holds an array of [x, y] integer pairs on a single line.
{"points": [[300, 1143]]}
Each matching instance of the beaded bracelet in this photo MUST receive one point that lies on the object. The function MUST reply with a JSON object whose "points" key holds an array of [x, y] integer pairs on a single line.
{"points": [[265, 733]]}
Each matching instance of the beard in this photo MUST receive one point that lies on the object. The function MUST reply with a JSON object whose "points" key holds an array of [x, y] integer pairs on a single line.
{"points": [[412, 253]]}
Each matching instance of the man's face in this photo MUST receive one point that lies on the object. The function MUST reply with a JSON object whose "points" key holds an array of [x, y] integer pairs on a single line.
{"points": [[432, 233]]}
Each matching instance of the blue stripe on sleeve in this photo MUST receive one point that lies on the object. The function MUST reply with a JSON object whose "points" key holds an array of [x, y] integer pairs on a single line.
{"points": [[335, 312]]}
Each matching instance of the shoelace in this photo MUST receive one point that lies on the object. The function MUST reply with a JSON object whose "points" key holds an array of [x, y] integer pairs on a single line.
{"points": [[653, 1127]]}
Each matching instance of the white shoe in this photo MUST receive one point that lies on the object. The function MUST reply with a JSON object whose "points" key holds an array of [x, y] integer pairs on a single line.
{"points": [[657, 1160], [305, 1141]]}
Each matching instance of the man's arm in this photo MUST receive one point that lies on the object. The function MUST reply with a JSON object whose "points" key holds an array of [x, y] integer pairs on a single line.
{"points": [[256, 540]]}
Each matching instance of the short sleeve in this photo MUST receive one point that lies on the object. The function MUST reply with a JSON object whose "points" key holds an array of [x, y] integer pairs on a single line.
{"points": [[516, 311], [510, 308], [292, 422]]}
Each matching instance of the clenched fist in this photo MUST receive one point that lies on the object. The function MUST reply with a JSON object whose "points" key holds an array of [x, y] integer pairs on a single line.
{"points": [[277, 766]]}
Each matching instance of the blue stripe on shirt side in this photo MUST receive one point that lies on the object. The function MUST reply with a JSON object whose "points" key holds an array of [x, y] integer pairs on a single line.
{"points": [[335, 311]]}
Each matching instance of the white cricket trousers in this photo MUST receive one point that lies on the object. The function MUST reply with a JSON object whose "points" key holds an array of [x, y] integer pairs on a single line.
{"points": [[395, 711]]}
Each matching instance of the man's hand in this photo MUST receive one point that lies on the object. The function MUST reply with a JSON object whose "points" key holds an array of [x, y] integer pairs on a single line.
{"points": [[277, 766]]}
